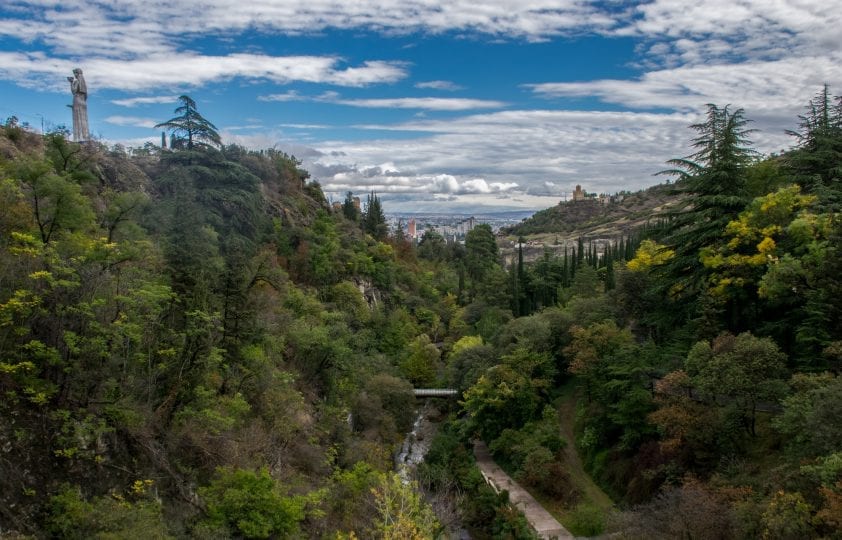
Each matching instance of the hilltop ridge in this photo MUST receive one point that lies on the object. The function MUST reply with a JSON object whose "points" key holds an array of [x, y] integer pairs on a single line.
{"points": [[607, 217]]}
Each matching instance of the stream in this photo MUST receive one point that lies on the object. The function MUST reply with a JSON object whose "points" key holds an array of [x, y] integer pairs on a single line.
{"points": [[415, 446], [417, 442]]}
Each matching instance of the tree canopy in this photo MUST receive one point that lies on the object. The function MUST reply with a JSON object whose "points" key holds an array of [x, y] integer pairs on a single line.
{"points": [[190, 129]]}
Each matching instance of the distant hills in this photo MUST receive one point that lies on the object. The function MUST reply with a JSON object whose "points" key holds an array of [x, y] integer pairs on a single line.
{"points": [[595, 218]]}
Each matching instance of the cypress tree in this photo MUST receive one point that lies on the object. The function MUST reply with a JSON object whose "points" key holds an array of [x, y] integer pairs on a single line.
{"points": [[610, 282], [374, 222]]}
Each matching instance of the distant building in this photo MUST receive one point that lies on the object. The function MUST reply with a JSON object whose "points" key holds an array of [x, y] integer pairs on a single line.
{"points": [[337, 206], [357, 203], [465, 226], [411, 228], [579, 194]]}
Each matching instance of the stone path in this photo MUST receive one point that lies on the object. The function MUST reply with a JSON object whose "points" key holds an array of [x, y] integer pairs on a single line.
{"points": [[542, 521]]}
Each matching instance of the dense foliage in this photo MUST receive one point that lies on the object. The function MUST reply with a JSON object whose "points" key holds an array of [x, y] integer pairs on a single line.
{"points": [[193, 343], [705, 349]]}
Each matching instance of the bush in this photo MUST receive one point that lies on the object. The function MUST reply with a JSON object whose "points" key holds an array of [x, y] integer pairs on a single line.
{"points": [[136, 515], [585, 520], [542, 471], [250, 504]]}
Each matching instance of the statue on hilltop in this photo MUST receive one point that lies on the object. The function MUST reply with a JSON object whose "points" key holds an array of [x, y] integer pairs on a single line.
{"points": [[80, 106]]}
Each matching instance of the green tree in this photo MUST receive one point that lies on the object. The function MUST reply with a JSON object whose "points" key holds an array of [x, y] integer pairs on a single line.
{"points": [[816, 163], [615, 372], [481, 252], [401, 511], [787, 517], [811, 421], [349, 208], [251, 504], [421, 365], [432, 246], [57, 202], [511, 393], [189, 128], [714, 181], [134, 515], [744, 370], [775, 232], [373, 220]]}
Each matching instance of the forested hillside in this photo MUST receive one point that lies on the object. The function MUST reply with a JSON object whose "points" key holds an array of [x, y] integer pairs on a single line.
{"points": [[611, 215], [192, 344], [701, 354]]}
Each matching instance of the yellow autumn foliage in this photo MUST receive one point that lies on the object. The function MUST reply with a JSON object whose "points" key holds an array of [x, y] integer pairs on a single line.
{"points": [[648, 255]]}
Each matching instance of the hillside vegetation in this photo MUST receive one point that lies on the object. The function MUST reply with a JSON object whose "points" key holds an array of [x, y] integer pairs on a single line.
{"points": [[592, 217], [702, 352], [194, 345]]}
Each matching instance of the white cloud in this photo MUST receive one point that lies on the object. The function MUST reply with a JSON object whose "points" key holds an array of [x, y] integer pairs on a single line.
{"points": [[292, 95], [131, 121], [439, 85], [765, 56], [305, 126], [424, 103], [126, 28], [749, 24], [246, 127], [145, 100], [152, 72], [133, 28], [767, 90], [129, 29], [509, 152]]}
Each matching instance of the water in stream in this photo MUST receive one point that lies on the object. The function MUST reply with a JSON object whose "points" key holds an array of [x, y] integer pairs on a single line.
{"points": [[414, 448], [417, 442]]}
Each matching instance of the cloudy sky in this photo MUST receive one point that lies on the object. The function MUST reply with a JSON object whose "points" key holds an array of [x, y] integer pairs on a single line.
{"points": [[438, 105]]}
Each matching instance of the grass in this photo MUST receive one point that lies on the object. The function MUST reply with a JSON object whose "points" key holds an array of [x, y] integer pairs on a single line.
{"points": [[588, 517]]}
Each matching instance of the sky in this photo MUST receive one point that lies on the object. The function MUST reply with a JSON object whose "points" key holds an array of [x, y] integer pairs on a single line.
{"points": [[453, 106]]}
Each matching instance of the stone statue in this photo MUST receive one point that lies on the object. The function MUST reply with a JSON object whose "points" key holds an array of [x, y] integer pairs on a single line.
{"points": [[80, 106]]}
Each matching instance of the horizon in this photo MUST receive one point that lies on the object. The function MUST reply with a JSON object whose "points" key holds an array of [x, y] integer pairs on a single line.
{"points": [[440, 108]]}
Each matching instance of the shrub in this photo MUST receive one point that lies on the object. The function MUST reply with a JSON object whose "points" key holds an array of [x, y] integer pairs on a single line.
{"points": [[251, 504], [136, 515], [586, 520]]}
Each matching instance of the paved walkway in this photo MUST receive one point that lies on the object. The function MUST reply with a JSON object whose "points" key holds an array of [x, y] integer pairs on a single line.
{"points": [[542, 521]]}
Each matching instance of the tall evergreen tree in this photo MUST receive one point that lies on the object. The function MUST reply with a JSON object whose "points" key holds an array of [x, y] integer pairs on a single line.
{"points": [[713, 179], [189, 128], [349, 209], [374, 221], [610, 281], [817, 162], [521, 299]]}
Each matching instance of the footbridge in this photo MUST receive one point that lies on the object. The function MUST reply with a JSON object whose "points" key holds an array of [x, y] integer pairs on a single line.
{"points": [[435, 392]]}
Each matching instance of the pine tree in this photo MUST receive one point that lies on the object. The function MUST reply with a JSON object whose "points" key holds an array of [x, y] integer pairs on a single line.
{"points": [[189, 127], [817, 162], [714, 180]]}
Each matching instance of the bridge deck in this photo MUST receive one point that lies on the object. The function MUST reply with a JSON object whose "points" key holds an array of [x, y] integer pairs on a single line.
{"points": [[435, 392]]}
